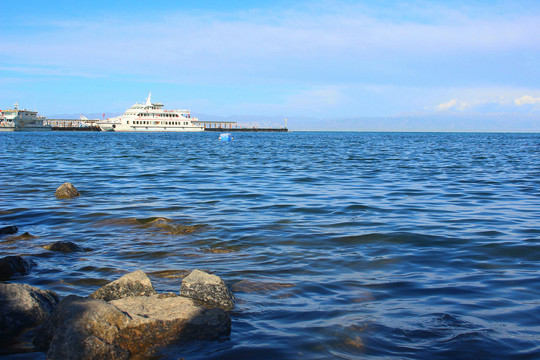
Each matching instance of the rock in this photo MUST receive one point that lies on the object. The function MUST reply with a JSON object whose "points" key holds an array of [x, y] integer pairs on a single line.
{"points": [[24, 236], [208, 289], [64, 246], [170, 274], [132, 284], [66, 191], [6, 230], [158, 321], [168, 226], [23, 306], [11, 265], [82, 328]]}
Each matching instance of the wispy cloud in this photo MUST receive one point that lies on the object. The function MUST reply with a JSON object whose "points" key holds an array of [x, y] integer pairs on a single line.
{"points": [[267, 44], [526, 99], [486, 103], [447, 105]]}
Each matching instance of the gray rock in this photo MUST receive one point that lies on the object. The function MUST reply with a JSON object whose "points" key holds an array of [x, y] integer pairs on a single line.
{"points": [[66, 191], [156, 321], [132, 284], [6, 230], [82, 328], [64, 246], [208, 289], [23, 306], [12, 265]]}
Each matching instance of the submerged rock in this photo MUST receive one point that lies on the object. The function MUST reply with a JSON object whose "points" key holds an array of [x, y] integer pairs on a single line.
{"points": [[6, 230], [132, 284], [169, 226], [64, 246], [12, 265], [208, 289], [250, 286], [66, 191], [82, 328], [170, 274], [161, 224], [24, 236], [23, 306]]}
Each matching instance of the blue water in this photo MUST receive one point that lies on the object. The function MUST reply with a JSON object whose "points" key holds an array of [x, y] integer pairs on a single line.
{"points": [[337, 245]]}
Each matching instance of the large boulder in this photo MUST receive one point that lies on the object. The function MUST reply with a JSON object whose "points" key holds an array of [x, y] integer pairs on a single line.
{"points": [[66, 191], [23, 306], [132, 284], [158, 320], [12, 265], [6, 230], [82, 328], [208, 289]]}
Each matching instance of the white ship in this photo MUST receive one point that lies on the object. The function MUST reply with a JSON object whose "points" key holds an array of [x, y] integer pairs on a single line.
{"points": [[22, 120], [151, 117]]}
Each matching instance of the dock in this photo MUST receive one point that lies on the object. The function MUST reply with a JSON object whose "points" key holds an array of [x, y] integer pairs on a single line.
{"points": [[213, 126], [252, 129], [76, 128]]}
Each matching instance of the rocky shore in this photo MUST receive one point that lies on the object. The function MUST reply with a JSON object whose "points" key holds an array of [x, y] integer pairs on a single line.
{"points": [[122, 319]]}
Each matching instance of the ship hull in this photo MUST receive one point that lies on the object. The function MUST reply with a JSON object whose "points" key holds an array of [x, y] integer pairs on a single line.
{"points": [[158, 129]]}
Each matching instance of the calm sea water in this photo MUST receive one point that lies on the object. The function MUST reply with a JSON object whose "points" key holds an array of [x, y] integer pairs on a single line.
{"points": [[337, 245]]}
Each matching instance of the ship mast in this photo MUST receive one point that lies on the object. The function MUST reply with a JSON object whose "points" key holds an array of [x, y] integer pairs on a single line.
{"points": [[148, 102]]}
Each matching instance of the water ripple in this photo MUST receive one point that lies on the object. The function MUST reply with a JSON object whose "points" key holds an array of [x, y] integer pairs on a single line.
{"points": [[337, 245]]}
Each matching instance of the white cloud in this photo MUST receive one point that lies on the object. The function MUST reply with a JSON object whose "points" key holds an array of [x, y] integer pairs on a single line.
{"points": [[486, 99], [447, 105], [526, 99]]}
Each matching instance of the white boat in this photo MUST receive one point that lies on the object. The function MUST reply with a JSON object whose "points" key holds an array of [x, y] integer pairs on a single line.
{"points": [[22, 120], [151, 117]]}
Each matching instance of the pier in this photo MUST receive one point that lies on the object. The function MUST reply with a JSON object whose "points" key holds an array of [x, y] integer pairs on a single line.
{"points": [[252, 129], [214, 126], [72, 125]]}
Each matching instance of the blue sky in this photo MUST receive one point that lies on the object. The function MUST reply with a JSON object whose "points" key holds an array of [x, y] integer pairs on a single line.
{"points": [[322, 64]]}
